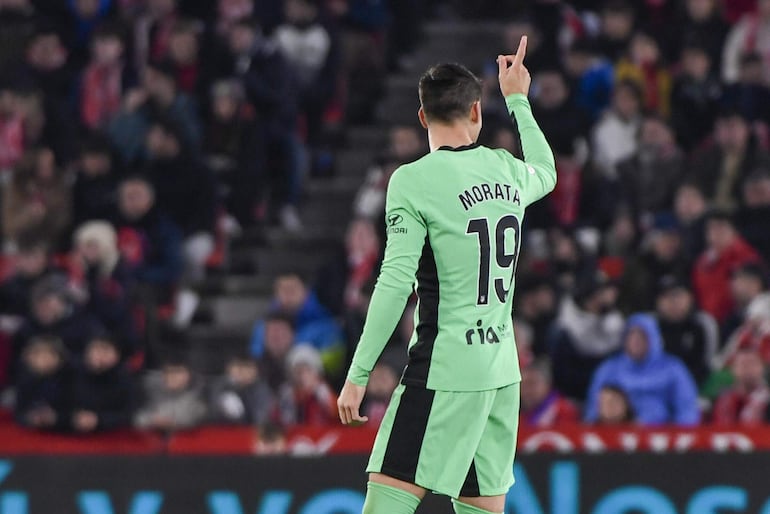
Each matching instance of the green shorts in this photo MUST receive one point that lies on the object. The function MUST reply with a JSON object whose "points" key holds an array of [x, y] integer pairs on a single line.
{"points": [[452, 443]]}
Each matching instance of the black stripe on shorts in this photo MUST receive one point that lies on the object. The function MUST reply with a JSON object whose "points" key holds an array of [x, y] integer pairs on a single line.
{"points": [[470, 488], [405, 442]]}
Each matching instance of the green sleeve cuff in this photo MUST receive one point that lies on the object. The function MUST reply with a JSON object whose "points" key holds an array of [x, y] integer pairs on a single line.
{"points": [[358, 375], [516, 100]]}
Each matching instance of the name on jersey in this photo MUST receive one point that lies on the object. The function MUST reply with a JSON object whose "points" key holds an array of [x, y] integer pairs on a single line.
{"points": [[485, 192]]}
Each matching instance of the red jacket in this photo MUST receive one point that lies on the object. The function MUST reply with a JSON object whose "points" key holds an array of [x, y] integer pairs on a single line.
{"points": [[735, 407], [711, 277], [553, 411]]}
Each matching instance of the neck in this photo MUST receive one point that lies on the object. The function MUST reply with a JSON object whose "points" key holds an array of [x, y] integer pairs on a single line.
{"points": [[454, 135]]}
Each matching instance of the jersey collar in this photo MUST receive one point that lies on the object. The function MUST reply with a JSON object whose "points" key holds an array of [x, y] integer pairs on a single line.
{"points": [[459, 148]]}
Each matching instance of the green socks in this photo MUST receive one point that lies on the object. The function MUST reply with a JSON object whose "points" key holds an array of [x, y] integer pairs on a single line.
{"points": [[384, 499], [464, 508]]}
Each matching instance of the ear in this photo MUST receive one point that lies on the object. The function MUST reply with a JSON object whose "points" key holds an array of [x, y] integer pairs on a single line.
{"points": [[423, 119], [476, 111]]}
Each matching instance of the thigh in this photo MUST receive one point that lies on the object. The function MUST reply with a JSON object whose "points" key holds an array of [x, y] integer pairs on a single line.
{"points": [[493, 462], [429, 438]]}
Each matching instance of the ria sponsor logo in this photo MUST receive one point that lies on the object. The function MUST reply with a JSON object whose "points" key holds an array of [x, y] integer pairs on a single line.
{"points": [[484, 335]]}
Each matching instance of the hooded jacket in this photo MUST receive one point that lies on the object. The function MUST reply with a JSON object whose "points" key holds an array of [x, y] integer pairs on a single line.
{"points": [[659, 387]]}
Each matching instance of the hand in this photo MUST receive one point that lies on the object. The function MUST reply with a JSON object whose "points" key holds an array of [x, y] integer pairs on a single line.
{"points": [[349, 402], [514, 78], [85, 421]]}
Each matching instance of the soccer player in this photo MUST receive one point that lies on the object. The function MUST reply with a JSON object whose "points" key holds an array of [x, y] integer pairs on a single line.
{"points": [[454, 223]]}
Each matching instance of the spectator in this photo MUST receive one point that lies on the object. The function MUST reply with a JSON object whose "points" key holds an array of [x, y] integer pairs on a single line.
{"points": [[695, 97], [645, 68], [306, 399], [593, 75], [31, 264], [614, 407], [617, 27], [720, 169], [183, 52], [185, 191], [12, 127], [586, 331], [689, 334], [279, 340], [148, 240], [104, 79], [106, 281], [94, 192], [312, 322], [17, 24], [235, 150], [103, 392], [405, 144], [649, 177], [54, 313], [241, 396], [750, 94], [342, 280], [541, 404], [271, 440], [310, 51], [563, 123], [752, 217], [746, 402], [725, 251], [536, 303], [660, 388], [174, 399], [157, 98], [660, 254], [754, 334], [37, 199], [750, 34], [42, 385], [271, 89], [152, 31], [382, 382], [747, 282], [614, 137], [704, 24], [691, 208]]}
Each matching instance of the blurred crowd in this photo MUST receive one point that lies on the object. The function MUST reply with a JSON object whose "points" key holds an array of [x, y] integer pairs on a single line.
{"points": [[137, 137]]}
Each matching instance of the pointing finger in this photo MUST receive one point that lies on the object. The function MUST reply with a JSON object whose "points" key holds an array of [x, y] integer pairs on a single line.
{"points": [[521, 52]]}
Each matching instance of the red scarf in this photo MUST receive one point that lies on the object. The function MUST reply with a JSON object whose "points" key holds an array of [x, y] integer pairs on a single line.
{"points": [[100, 94]]}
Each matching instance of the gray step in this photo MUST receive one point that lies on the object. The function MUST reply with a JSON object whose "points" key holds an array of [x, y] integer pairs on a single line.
{"points": [[366, 137], [354, 162], [210, 347], [235, 311], [256, 284]]}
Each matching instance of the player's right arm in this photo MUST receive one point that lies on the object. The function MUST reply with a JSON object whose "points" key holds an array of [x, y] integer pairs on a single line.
{"points": [[406, 238], [540, 176]]}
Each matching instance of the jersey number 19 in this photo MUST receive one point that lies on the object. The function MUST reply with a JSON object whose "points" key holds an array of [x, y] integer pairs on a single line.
{"points": [[480, 227]]}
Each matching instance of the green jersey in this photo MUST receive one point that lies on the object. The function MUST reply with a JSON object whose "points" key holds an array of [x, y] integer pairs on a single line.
{"points": [[454, 222]]}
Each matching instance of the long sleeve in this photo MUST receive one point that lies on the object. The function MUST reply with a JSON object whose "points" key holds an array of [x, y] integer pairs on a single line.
{"points": [[406, 238], [540, 176]]}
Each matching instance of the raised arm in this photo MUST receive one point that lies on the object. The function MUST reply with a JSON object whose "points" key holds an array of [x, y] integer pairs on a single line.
{"points": [[540, 176]]}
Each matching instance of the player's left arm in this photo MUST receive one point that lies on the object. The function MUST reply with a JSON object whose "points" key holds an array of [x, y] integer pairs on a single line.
{"points": [[539, 179], [407, 231]]}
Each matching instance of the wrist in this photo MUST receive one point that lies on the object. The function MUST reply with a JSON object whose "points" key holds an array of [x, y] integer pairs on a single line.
{"points": [[514, 99], [358, 375]]}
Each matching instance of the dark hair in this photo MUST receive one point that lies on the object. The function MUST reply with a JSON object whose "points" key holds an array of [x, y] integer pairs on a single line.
{"points": [[447, 92], [630, 413], [280, 317]]}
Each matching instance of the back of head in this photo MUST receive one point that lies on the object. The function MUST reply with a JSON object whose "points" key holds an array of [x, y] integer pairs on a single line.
{"points": [[448, 91]]}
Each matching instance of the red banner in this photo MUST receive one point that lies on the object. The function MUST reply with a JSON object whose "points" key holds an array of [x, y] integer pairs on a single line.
{"points": [[567, 439]]}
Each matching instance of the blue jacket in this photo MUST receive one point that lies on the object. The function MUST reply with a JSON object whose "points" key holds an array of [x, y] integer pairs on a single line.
{"points": [[659, 387], [312, 324]]}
